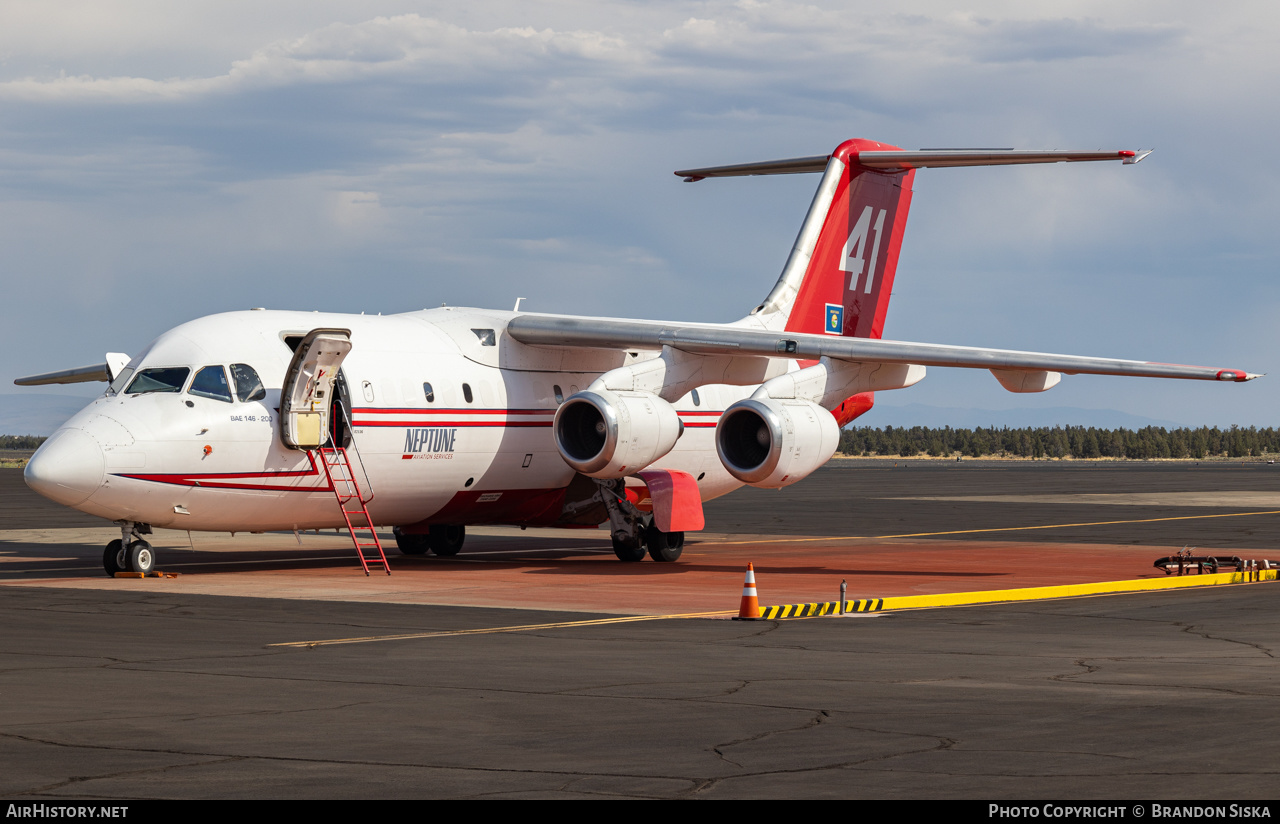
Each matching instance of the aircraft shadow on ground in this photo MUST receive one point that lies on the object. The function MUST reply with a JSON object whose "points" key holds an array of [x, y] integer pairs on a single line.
{"points": [[21, 560]]}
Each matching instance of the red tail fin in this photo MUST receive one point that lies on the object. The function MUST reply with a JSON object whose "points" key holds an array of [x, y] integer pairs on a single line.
{"points": [[839, 276], [846, 287]]}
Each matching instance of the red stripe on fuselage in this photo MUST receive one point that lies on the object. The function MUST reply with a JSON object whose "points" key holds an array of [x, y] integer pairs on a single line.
{"points": [[226, 480], [422, 424], [374, 410], [361, 417]]}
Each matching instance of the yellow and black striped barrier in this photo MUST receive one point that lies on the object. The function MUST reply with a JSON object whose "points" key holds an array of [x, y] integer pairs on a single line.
{"points": [[826, 608], [955, 599]]}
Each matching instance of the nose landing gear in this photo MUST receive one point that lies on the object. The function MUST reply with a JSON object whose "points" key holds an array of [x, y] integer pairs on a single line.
{"points": [[129, 553]]}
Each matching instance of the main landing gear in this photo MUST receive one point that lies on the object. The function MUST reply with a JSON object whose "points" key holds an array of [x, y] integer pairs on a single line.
{"points": [[632, 531], [129, 553], [444, 540]]}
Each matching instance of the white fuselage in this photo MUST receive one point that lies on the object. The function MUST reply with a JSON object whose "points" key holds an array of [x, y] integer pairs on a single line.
{"points": [[427, 453]]}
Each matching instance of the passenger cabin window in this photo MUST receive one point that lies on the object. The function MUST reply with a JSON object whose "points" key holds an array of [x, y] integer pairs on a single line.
{"points": [[486, 336], [559, 393], [429, 393], [466, 392], [248, 385], [696, 401], [211, 382], [159, 379]]}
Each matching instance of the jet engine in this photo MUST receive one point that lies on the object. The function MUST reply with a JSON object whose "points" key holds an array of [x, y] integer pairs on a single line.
{"points": [[774, 443], [608, 434]]}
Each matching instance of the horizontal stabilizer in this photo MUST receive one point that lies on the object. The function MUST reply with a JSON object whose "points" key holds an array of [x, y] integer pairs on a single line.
{"points": [[919, 159], [82, 374], [106, 372]]}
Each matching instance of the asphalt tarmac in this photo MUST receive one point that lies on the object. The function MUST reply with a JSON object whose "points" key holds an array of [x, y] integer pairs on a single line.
{"points": [[125, 689]]}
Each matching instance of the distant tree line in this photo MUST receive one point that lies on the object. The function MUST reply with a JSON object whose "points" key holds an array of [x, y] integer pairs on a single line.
{"points": [[1040, 442], [1062, 442], [20, 441]]}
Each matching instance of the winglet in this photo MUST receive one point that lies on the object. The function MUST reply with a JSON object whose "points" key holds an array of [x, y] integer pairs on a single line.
{"points": [[1135, 157]]}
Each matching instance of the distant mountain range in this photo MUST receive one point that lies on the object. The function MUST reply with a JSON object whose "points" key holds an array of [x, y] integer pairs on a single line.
{"points": [[40, 414], [37, 414]]}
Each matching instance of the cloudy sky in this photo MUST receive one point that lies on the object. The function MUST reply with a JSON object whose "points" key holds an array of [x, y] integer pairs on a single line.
{"points": [[162, 161]]}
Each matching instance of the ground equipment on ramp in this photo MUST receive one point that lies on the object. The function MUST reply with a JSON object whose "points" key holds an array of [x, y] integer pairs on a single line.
{"points": [[1184, 563]]}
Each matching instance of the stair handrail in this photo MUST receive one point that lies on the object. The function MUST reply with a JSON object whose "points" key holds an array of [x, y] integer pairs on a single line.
{"points": [[342, 407]]}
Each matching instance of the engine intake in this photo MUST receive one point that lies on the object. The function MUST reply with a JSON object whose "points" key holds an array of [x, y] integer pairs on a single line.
{"points": [[774, 443], [608, 434]]}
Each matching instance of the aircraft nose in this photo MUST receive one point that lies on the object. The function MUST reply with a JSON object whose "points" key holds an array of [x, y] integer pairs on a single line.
{"points": [[67, 468]]}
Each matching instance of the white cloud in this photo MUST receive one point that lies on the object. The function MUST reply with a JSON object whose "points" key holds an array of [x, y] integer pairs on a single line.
{"points": [[503, 149], [424, 50]]}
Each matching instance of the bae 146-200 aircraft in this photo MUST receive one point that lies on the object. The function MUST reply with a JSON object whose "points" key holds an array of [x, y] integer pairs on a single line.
{"points": [[434, 420]]}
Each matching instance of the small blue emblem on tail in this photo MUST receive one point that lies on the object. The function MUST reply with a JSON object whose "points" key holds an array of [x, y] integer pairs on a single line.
{"points": [[835, 319]]}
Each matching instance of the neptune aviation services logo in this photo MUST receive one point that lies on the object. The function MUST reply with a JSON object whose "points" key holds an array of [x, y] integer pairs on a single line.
{"points": [[429, 442], [835, 319]]}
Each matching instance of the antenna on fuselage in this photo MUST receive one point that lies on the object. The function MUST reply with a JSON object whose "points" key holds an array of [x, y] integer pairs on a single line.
{"points": [[516, 308]]}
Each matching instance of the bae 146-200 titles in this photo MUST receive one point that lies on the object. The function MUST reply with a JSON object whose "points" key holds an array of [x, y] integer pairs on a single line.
{"points": [[435, 420]]}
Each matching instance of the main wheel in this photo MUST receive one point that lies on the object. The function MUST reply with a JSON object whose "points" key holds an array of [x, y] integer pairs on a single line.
{"points": [[446, 539], [114, 558], [141, 558], [628, 550], [411, 544], [663, 546]]}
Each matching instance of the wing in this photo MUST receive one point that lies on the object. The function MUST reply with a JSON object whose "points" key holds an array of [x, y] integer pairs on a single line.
{"points": [[713, 339]]}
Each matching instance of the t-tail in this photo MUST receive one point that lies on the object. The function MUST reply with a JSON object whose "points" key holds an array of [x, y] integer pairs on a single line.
{"points": [[839, 276]]}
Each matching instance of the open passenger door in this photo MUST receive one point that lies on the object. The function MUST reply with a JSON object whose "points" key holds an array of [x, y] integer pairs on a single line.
{"points": [[306, 400]]}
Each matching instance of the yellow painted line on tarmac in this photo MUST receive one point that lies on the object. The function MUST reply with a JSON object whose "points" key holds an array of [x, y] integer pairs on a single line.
{"points": [[997, 596], [786, 540], [595, 622]]}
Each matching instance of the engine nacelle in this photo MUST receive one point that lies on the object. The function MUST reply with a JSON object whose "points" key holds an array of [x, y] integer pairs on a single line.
{"points": [[608, 434], [774, 443]]}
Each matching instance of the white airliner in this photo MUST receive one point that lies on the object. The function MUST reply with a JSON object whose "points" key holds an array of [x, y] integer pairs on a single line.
{"points": [[429, 421]]}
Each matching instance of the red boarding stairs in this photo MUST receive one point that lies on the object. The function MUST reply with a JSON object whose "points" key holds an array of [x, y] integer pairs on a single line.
{"points": [[352, 503]]}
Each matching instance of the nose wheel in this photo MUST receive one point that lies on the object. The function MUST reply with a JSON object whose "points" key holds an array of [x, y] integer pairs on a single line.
{"points": [[138, 557], [115, 559], [141, 558], [129, 553]]}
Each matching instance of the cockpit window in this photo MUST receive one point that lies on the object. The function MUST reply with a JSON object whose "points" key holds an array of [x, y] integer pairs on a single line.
{"points": [[248, 386], [121, 380], [159, 379], [211, 382]]}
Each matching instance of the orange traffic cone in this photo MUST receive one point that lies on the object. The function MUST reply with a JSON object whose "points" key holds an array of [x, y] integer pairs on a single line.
{"points": [[750, 609]]}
